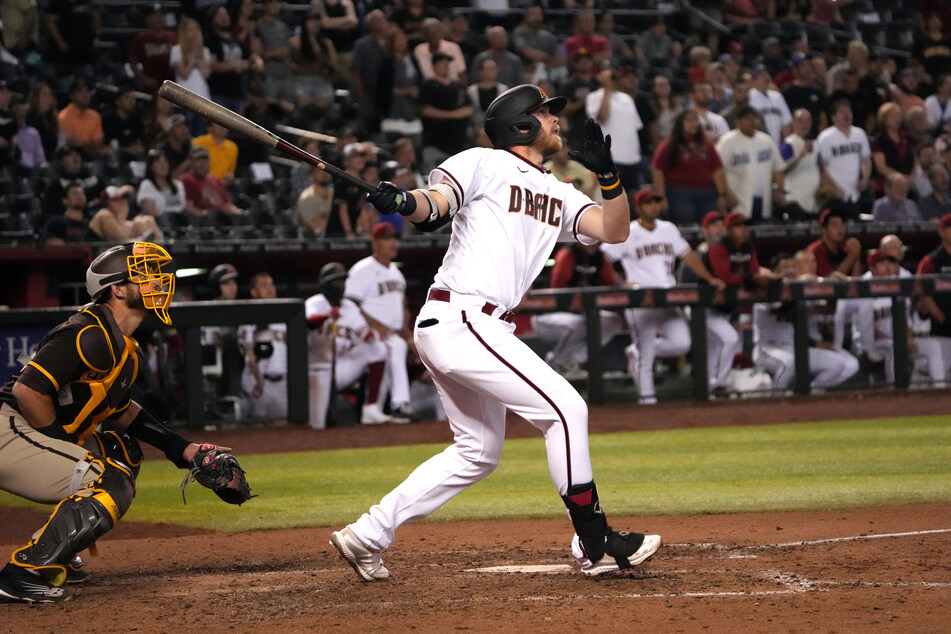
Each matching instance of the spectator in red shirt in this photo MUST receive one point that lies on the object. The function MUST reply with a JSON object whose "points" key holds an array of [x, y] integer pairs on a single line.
{"points": [[150, 49], [834, 253], [938, 307], [206, 199], [597, 45], [688, 174]]}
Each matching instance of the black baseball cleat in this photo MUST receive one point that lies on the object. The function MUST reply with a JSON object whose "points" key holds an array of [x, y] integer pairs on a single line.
{"points": [[76, 571], [622, 551], [20, 584]]}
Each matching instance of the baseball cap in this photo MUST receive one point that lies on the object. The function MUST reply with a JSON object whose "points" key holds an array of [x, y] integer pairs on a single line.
{"points": [[710, 218], [759, 68], [734, 48], [877, 256], [797, 59], [945, 221], [112, 192], [828, 213], [384, 230], [735, 218], [198, 151], [351, 149], [646, 194], [173, 120], [222, 273], [772, 39], [330, 272]]}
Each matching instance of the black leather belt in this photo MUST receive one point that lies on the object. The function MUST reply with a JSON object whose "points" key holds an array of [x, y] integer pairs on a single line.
{"points": [[274, 378], [442, 295]]}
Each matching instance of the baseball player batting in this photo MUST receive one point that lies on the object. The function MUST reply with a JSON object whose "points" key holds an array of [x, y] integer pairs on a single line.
{"points": [[507, 213]]}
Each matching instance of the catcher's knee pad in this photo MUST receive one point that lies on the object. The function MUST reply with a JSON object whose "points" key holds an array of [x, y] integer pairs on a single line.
{"points": [[78, 521], [119, 446]]}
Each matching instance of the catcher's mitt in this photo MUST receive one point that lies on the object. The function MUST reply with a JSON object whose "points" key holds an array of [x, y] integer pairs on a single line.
{"points": [[220, 472]]}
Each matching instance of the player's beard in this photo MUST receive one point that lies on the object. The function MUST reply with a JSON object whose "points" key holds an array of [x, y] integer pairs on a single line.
{"points": [[548, 144], [134, 301]]}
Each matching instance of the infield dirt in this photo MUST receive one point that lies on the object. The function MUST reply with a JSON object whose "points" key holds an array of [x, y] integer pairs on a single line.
{"points": [[882, 569]]}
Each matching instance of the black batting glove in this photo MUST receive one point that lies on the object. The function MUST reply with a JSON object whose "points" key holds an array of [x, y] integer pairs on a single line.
{"points": [[597, 158], [390, 199]]}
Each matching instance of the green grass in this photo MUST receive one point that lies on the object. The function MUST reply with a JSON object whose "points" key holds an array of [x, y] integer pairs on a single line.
{"points": [[802, 466]]}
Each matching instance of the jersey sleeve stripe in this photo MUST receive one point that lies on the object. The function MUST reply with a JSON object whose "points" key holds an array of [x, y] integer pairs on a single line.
{"points": [[45, 373], [581, 212], [456, 186]]}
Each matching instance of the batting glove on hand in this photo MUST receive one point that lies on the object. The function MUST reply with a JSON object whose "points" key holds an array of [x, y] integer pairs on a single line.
{"points": [[597, 154], [390, 199]]}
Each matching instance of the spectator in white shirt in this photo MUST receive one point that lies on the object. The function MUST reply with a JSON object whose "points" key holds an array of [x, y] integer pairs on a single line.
{"points": [[938, 106], [752, 164], [770, 104], [714, 126], [802, 168], [617, 115], [846, 159]]}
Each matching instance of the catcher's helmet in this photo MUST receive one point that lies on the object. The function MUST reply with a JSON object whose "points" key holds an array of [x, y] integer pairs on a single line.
{"points": [[509, 120], [330, 272], [137, 262]]}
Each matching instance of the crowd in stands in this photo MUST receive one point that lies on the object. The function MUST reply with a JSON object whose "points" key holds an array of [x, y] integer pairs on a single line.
{"points": [[854, 115], [775, 110]]}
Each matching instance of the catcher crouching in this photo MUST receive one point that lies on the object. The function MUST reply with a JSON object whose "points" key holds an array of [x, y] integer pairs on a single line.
{"points": [[69, 428]]}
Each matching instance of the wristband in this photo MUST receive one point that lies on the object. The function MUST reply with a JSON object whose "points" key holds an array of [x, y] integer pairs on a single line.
{"points": [[147, 429], [408, 206], [612, 189]]}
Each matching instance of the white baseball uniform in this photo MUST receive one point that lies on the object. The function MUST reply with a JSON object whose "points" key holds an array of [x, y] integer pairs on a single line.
{"points": [[842, 157], [748, 166], [774, 111], [512, 212], [648, 258], [338, 348], [380, 292], [272, 402], [774, 345], [871, 320]]}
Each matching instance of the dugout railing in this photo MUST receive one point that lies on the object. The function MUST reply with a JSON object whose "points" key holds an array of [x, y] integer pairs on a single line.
{"points": [[592, 300], [21, 329]]}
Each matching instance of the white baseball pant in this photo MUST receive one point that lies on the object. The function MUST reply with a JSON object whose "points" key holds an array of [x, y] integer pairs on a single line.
{"points": [[723, 344], [657, 332], [827, 367], [568, 331], [934, 356], [395, 379], [481, 369], [350, 364]]}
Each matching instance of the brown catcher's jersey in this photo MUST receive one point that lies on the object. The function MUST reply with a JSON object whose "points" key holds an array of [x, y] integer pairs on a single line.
{"points": [[87, 366]]}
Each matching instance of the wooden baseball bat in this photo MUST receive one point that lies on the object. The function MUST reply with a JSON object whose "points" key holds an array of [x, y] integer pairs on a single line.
{"points": [[181, 96]]}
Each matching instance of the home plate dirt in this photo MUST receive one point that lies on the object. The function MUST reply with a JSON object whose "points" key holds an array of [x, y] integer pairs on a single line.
{"points": [[859, 570]]}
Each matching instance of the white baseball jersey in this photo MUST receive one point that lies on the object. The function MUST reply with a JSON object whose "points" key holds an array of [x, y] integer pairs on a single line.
{"points": [[842, 157], [802, 181], [713, 125], [773, 110], [649, 256], [378, 290], [511, 215], [622, 124], [939, 114], [748, 165], [771, 329], [276, 364]]}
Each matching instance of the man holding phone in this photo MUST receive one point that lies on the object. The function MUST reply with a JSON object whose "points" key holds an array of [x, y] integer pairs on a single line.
{"points": [[802, 168], [615, 112]]}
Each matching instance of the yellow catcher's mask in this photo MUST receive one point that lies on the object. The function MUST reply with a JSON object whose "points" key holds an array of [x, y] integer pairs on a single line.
{"points": [[139, 263]]}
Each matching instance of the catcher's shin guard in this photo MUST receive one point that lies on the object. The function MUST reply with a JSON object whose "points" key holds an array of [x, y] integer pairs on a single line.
{"points": [[589, 520], [78, 522]]}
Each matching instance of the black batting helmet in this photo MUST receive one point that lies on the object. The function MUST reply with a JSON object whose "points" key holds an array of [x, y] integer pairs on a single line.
{"points": [[509, 120], [330, 272]]}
